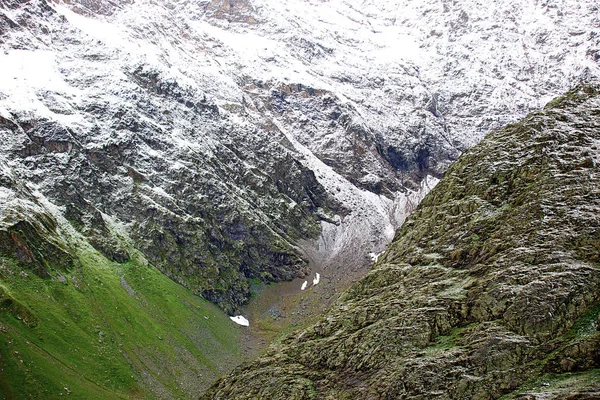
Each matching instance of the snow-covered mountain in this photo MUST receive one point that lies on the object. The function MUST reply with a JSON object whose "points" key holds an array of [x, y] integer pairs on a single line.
{"points": [[239, 139]]}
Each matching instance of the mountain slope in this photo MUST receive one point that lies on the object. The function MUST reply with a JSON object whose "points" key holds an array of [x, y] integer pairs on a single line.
{"points": [[490, 288], [238, 140], [227, 144], [89, 327]]}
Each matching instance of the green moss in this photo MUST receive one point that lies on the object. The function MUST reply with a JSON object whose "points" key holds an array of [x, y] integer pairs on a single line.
{"points": [[574, 95], [587, 325], [559, 385], [308, 388], [256, 286], [15, 308], [447, 342]]}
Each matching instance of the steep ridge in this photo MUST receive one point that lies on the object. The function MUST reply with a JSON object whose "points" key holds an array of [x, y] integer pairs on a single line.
{"points": [[491, 288], [129, 123], [202, 205], [75, 322]]}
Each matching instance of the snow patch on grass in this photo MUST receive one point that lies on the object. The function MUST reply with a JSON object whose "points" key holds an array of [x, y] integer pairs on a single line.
{"points": [[240, 320]]}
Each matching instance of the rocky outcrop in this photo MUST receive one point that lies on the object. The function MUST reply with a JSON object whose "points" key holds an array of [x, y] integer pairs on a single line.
{"points": [[230, 10], [208, 223], [210, 202], [29, 233], [491, 288]]}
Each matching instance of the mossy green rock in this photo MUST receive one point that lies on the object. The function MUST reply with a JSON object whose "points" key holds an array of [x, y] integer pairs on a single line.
{"points": [[490, 289]]}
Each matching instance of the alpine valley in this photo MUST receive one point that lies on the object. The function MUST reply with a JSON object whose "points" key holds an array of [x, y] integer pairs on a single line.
{"points": [[166, 165]]}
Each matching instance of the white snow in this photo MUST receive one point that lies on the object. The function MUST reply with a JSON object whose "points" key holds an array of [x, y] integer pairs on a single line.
{"points": [[25, 75], [304, 285], [240, 320], [374, 257], [107, 32], [317, 279]]}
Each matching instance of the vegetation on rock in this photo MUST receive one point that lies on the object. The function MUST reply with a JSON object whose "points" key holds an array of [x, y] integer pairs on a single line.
{"points": [[490, 289]]}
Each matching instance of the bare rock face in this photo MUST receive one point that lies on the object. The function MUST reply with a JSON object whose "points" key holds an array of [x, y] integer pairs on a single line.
{"points": [[491, 288], [29, 233], [228, 142], [231, 10], [210, 203], [96, 7]]}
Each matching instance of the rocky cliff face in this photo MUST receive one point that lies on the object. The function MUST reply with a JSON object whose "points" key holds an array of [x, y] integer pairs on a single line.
{"points": [[209, 202], [490, 289], [237, 139]]}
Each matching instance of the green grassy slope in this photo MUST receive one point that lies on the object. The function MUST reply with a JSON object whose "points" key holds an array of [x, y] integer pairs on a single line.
{"points": [[105, 330]]}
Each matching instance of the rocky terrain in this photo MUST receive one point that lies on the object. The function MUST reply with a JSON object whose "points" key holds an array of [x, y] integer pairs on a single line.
{"points": [[229, 144], [491, 288], [236, 140]]}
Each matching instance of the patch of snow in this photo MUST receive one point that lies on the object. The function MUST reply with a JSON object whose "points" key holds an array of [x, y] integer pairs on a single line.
{"points": [[317, 279], [6, 195], [374, 257], [161, 192], [304, 285], [25, 75], [240, 320], [107, 32]]}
